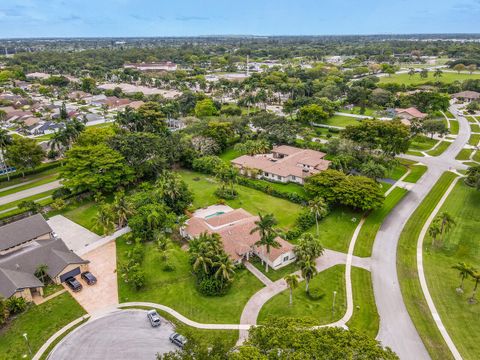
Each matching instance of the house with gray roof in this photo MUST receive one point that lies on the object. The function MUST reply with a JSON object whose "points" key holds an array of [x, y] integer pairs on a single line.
{"points": [[24, 246]]}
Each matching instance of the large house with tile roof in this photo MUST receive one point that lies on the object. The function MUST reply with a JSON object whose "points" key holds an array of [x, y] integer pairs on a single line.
{"points": [[24, 246], [284, 164], [234, 227]]}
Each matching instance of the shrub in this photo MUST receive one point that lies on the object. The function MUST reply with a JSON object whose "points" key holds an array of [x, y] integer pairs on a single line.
{"points": [[227, 194], [315, 293], [61, 193], [211, 286], [207, 164], [16, 305], [168, 267]]}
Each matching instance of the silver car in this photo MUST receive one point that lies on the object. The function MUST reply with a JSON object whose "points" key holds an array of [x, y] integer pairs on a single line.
{"points": [[154, 318], [178, 340]]}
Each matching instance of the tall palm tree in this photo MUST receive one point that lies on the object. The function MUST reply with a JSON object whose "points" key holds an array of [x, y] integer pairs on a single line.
{"points": [[41, 272], [434, 231], [121, 208], [319, 207], [309, 270], [225, 269], [202, 261], [264, 224], [269, 241], [5, 140], [464, 271], [292, 283], [104, 219], [475, 274], [446, 223]]}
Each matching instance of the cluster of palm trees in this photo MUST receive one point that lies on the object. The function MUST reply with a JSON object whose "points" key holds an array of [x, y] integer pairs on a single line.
{"points": [[467, 271], [228, 176], [440, 226], [265, 226], [209, 260], [115, 215], [65, 137]]}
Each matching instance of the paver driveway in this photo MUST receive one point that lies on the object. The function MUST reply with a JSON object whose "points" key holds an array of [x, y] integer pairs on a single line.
{"points": [[104, 294], [124, 334]]}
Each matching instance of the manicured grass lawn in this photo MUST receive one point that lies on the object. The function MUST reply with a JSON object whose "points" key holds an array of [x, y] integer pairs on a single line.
{"points": [[398, 171], [81, 213], [462, 244], [328, 281], [415, 153], [416, 173], [177, 289], [39, 322], [454, 127], [341, 121], [408, 274], [416, 79], [286, 188], [230, 154], [45, 180], [20, 180], [422, 143], [356, 110], [474, 139], [475, 128], [439, 149], [464, 154], [274, 275], [366, 237], [336, 230], [471, 119], [476, 156], [254, 201], [365, 317], [449, 114]]}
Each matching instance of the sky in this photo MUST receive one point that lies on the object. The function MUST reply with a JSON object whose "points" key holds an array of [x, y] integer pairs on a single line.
{"points": [[122, 18]]}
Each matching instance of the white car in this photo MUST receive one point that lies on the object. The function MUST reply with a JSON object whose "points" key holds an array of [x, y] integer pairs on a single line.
{"points": [[154, 318]]}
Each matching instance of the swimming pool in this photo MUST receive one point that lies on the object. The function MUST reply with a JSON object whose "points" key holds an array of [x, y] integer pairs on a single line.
{"points": [[216, 214]]}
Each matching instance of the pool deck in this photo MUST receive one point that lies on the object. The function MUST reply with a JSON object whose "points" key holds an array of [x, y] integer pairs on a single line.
{"points": [[211, 211]]}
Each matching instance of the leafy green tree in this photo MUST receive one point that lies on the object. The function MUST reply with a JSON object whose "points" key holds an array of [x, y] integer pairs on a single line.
{"points": [[205, 108], [219, 131], [121, 209], [323, 184], [253, 147], [292, 283], [373, 170], [312, 113], [95, 168], [459, 68], [269, 241], [89, 85], [437, 74], [360, 192], [175, 192], [434, 231], [5, 140], [433, 127], [24, 153], [473, 177]]}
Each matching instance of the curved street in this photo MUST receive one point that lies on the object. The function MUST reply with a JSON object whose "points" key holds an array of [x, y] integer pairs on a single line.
{"points": [[396, 328]]}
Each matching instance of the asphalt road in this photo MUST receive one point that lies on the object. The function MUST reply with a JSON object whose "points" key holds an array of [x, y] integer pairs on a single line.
{"points": [[30, 192], [122, 335], [396, 328]]}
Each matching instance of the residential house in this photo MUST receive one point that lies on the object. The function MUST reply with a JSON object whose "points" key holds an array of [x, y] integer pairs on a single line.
{"points": [[407, 115], [284, 164], [234, 228], [24, 246], [467, 96]]}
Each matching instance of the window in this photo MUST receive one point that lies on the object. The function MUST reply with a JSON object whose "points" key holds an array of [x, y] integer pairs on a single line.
{"points": [[285, 258]]}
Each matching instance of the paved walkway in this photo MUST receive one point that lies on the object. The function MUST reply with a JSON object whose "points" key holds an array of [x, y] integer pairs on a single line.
{"points": [[258, 274], [396, 328], [423, 280], [30, 192]]}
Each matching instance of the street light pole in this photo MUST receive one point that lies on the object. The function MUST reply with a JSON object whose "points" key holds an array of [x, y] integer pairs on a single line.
{"points": [[333, 303], [28, 344]]}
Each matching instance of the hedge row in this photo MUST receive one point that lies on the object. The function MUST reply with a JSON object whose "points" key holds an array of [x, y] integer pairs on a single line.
{"points": [[268, 189]]}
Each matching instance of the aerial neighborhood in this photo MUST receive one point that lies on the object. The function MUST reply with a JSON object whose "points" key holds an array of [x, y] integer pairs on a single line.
{"points": [[240, 197]]}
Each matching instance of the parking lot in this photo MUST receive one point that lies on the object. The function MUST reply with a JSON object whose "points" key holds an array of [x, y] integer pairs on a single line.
{"points": [[121, 335]]}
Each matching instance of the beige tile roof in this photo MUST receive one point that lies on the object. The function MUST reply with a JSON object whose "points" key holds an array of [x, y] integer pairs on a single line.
{"points": [[228, 218], [412, 112]]}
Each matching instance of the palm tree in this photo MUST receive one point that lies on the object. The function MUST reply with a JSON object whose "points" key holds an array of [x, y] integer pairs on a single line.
{"points": [[202, 261], [5, 140], [292, 283], [465, 271], [121, 209], [41, 272], [433, 231], [438, 73], [319, 208], [225, 269], [269, 241], [475, 274], [309, 270], [446, 223], [104, 219], [264, 224], [308, 246]]}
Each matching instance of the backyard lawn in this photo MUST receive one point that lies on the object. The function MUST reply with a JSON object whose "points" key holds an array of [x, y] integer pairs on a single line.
{"points": [[177, 289], [230, 154], [326, 282], [39, 322], [81, 213], [462, 244], [366, 237], [416, 79], [365, 316], [254, 201], [341, 121], [408, 274]]}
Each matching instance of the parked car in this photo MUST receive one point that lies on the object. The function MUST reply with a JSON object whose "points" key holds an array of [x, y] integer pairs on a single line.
{"points": [[178, 340], [89, 278], [154, 318], [73, 284]]}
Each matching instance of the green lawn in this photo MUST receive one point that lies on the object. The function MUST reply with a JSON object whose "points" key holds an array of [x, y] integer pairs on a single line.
{"points": [[474, 139], [475, 128], [286, 188], [81, 213], [408, 275], [45, 180], [461, 319], [230, 154], [39, 322], [177, 289], [416, 173], [464, 154], [366, 237], [274, 275], [439, 149], [417, 80], [357, 110], [454, 127], [254, 201], [20, 180], [449, 114], [422, 143], [341, 121], [471, 119], [476, 156], [365, 317], [328, 281], [399, 170]]}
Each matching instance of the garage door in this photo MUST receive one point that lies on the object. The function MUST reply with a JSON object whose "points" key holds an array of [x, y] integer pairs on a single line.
{"points": [[73, 272]]}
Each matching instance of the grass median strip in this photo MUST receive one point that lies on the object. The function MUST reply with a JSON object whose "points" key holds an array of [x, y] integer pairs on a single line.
{"points": [[439, 149], [416, 173], [408, 273]]}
